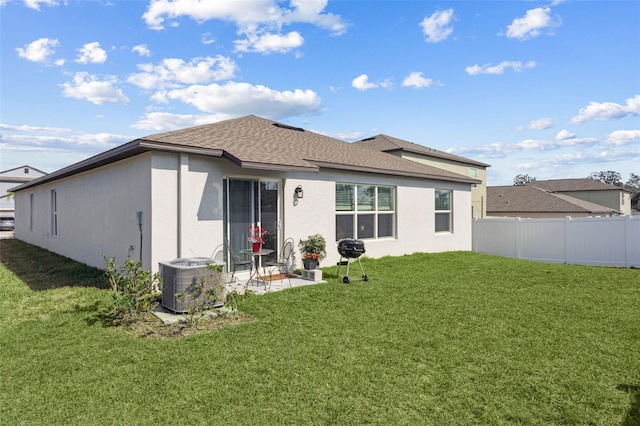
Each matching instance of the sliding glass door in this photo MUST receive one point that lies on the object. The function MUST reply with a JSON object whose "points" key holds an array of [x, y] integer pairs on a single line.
{"points": [[252, 202]]}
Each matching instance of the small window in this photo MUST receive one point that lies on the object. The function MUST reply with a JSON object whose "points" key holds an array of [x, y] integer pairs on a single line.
{"points": [[30, 212], [473, 172], [622, 198], [54, 213], [444, 210], [26, 170]]}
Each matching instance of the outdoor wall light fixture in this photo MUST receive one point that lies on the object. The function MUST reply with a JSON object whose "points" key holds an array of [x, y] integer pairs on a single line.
{"points": [[299, 194]]}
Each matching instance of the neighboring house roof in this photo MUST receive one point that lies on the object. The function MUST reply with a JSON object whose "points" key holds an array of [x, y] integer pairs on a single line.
{"points": [[5, 175], [21, 168], [574, 185], [528, 198], [390, 144], [257, 143]]}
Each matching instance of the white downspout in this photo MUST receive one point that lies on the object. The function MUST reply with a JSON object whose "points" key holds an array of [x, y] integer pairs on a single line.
{"points": [[183, 168]]}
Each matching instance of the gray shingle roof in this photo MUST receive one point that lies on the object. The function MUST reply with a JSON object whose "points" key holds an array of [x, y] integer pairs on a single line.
{"points": [[569, 185], [252, 141], [530, 199], [387, 143], [257, 143]]}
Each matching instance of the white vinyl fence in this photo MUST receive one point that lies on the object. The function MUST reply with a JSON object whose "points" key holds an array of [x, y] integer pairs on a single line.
{"points": [[606, 241]]}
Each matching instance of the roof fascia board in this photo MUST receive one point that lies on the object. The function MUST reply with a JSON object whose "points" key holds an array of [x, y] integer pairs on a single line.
{"points": [[121, 152], [395, 172]]}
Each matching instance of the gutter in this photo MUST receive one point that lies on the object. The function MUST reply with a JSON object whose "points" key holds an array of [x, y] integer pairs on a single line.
{"points": [[462, 179], [118, 153]]}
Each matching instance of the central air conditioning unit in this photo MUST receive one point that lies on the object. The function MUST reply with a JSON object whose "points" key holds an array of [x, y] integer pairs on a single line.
{"points": [[190, 277]]}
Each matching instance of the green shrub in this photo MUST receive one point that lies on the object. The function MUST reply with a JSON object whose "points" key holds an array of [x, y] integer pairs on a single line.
{"points": [[135, 290]]}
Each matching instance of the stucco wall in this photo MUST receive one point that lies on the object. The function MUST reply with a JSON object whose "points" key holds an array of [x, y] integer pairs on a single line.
{"points": [[478, 193], [181, 198], [96, 212]]}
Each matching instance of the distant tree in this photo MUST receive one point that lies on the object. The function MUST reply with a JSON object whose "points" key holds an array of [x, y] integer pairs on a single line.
{"points": [[610, 177], [523, 179]]}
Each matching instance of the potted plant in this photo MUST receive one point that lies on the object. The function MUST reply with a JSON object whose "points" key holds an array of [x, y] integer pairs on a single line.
{"points": [[313, 250], [256, 239]]}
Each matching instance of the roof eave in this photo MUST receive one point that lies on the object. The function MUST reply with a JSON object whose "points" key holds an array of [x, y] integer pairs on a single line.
{"points": [[350, 167], [268, 166], [121, 152]]}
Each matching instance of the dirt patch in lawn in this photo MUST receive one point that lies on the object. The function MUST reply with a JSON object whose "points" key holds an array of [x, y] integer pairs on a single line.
{"points": [[150, 326]]}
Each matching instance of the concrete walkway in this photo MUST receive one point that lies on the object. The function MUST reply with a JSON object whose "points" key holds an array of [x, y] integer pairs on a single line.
{"points": [[169, 317]]}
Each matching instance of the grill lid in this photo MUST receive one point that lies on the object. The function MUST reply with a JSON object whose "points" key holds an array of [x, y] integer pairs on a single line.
{"points": [[351, 248]]}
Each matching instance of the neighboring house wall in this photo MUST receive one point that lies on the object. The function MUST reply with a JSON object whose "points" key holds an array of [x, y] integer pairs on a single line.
{"points": [[478, 193], [10, 179], [181, 199], [615, 199]]}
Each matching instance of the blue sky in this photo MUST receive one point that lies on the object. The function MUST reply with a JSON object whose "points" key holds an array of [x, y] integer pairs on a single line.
{"points": [[550, 89]]}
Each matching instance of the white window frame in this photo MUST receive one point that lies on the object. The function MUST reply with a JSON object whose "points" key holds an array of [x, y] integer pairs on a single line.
{"points": [[54, 213], [375, 210], [442, 211], [31, 212]]}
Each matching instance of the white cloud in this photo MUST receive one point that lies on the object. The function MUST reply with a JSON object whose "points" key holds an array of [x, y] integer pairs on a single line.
{"points": [[207, 39], [607, 110], [35, 4], [142, 50], [269, 43], [415, 79], [254, 14], [38, 50], [173, 72], [92, 53], [539, 124], [501, 150], [63, 137], [623, 137], [565, 134], [362, 83], [243, 98], [531, 24], [27, 128], [88, 87], [165, 121], [437, 27], [500, 68]]}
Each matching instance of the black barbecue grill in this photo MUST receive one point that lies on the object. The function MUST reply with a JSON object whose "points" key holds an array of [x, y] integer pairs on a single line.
{"points": [[350, 249]]}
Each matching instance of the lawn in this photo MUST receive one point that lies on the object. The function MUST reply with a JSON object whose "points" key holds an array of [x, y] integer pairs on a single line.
{"points": [[453, 338]]}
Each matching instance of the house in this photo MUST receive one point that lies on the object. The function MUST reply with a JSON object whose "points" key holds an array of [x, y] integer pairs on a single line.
{"points": [[591, 190], [534, 202], [184, 192], [436, 158], [9, 179]]}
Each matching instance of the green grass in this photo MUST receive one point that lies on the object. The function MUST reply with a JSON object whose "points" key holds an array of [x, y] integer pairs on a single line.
{"points": [[452, 338]]}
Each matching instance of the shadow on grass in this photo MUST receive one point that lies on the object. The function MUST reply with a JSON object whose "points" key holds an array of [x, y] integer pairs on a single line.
{"points": [[633, 416], [41, 269]]}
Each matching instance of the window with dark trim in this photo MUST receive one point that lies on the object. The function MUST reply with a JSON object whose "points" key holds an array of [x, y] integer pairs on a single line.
{"points": [[444, 210], [365, 211]]}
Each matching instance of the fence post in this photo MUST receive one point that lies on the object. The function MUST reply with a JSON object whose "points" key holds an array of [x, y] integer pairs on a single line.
{"points": [[518, 239], [567, 238], [627, 241]]}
